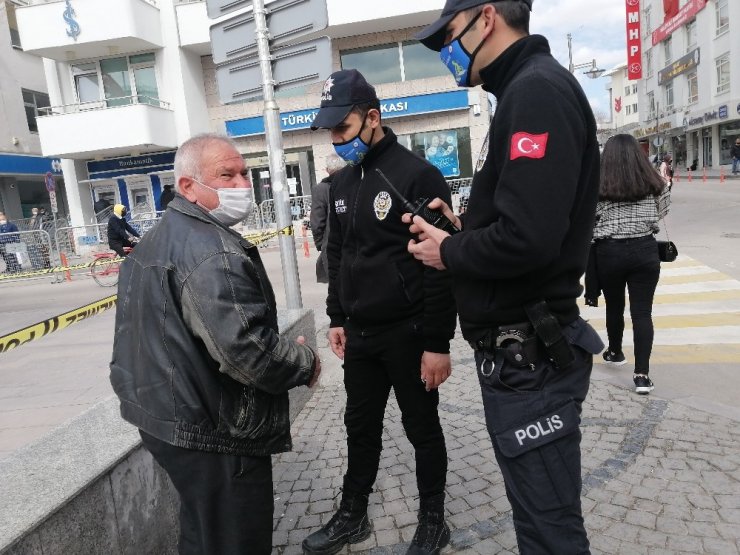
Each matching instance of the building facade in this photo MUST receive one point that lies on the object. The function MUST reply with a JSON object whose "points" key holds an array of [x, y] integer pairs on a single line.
{"points": [[23, 93], [623, 100], [124, 96], [689, 94]]}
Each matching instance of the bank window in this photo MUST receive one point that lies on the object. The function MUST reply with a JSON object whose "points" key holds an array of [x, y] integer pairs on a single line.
{"points": [[722, 12], [669, 95], [692, 83], [649, 62], [448, 150], [15, 36], [627, 90], [32, 102], [628, 109], [392, 63], [634, 108], [117, 81], [723, 73], [668, 50], [690, 35]]}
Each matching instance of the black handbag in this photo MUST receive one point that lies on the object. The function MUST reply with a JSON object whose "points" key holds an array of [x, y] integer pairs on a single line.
{"points": [[667, 251]]}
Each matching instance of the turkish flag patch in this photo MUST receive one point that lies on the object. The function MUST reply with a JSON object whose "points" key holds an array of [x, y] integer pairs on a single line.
{"points": [[527, 145]]}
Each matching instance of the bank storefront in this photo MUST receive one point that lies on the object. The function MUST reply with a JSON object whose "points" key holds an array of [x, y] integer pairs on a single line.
{"points": [[134, 181], [23, 185], [435, 126]]}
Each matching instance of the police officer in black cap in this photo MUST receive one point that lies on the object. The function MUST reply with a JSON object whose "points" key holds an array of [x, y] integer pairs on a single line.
{"points": [[519, 258], [391, 318]]}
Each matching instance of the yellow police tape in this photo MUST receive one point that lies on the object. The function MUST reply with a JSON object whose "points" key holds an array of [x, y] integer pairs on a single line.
{"points": [[255, 239], [37, 331]]}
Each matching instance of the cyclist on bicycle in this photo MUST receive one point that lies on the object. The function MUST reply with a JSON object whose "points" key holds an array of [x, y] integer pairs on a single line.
{"points": [[117, 231]]}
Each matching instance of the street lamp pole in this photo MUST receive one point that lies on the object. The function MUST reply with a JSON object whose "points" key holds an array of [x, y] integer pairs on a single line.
{"points": [[594, 72]]}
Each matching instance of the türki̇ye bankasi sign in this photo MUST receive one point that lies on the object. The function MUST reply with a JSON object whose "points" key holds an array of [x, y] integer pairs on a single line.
{"points": [[682, 65]]}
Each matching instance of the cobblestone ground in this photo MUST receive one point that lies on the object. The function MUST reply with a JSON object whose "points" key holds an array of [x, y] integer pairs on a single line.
{"points": [[658, 477]]}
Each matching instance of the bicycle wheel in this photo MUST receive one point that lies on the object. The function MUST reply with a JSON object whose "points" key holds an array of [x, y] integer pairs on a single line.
{"points": [[105, 272]]}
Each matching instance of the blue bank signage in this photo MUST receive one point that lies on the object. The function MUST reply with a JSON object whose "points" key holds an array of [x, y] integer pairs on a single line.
{"points": [[116, 167], [390, 108], [19, 164]]}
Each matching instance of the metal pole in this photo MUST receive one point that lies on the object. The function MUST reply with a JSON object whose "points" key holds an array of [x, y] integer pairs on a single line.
{"points": [[570, 53], [276, 157]]}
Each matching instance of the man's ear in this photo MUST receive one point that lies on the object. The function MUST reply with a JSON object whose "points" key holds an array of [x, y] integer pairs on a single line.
{"points": [[186, 186], [373, 116], [488, 19]]}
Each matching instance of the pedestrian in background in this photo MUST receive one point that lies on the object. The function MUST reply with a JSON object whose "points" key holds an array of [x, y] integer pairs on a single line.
{"points": [[518, 260], [735, 153], [632, 199], [320, 215], [666, 170], [391, 319], [167, 195], [198, 363], [118, 230], [9, 236]]}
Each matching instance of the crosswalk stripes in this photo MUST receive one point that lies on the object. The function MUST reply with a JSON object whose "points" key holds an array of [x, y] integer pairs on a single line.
{"points": [[696, 314]]}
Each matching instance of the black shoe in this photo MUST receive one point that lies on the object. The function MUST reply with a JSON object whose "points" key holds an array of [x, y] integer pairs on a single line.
{"points": [[432, 533], [348, 525], [643, 384], [615, 358]]}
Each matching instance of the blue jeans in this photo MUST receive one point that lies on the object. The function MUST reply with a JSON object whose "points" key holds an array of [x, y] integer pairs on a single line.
{"points": [[735, 164], [634, 264]]}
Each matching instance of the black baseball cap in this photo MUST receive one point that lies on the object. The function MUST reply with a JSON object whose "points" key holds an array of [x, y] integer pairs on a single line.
{"points": [[433, 36], [343, 90]]}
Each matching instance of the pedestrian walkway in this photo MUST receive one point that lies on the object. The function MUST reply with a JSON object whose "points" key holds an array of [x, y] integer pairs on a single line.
{"points": [[659, 475]]}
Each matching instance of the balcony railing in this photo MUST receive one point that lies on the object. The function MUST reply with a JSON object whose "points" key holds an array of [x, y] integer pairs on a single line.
{"points": [[114, 102], [40, 2]]}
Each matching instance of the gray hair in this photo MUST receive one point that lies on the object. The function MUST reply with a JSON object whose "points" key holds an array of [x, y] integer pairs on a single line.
{"points": [[189, 156], [334, 163]]}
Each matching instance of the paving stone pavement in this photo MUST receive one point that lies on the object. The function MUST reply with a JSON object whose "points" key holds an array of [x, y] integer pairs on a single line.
{"points": [[658, 477]]}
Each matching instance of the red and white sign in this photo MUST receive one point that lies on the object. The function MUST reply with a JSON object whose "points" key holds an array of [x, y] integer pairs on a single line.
{"points": [[526, 145], [634, 43], [618, 104], [684, 15]]}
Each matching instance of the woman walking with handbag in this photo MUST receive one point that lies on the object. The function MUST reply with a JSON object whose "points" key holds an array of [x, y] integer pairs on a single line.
{"points": [[632, 199]]}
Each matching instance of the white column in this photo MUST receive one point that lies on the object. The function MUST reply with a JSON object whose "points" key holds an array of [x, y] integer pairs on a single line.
{"points": [[79, 199]]}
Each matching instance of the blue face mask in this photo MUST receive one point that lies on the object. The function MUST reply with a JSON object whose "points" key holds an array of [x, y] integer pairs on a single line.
{"points": [[353, 151], [457, 59]]}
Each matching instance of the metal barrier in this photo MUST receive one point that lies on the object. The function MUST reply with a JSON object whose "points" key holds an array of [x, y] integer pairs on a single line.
{"points": [[460, 191], [79, 244], [22, 251], [300, 209]]}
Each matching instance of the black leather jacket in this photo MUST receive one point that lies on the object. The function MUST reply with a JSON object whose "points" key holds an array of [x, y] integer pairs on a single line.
{"points": [[197, 359]]}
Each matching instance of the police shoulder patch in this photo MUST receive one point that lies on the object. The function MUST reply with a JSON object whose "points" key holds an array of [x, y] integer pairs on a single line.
{"points": [[382, 205]]}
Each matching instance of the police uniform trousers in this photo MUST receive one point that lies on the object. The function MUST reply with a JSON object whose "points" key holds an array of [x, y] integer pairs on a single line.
{"points": [[373, 364], [533, 418], [226, 501]]}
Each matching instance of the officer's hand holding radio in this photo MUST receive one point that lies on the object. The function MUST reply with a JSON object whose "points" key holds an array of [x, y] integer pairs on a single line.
{"points": [[426, 249]]}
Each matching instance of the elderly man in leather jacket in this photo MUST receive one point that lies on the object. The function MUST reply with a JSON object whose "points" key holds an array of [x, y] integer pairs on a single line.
{"points": [[198, 363]]}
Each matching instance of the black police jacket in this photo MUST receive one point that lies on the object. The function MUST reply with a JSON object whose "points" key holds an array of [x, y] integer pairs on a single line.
{"points": [[530, 215], [373, 280], [197, 359]]}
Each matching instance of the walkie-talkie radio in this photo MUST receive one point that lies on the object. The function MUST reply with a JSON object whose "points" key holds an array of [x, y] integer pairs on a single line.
{"points": [[421, 208]]}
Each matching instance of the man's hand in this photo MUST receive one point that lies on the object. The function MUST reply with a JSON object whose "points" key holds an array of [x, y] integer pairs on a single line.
{"points": [[426, 248], [317, 362], [337, 339], [435, 369]]}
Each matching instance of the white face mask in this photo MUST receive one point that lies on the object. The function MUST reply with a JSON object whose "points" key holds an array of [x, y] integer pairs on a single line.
{"points": [[234, 205], [3, 222]]}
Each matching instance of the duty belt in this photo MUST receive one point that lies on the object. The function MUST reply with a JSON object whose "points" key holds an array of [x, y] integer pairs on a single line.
{"points": [[517, 342]]}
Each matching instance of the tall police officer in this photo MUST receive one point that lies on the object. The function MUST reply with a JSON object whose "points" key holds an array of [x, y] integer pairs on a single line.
{"points": [[391, 318], [518, 260]]}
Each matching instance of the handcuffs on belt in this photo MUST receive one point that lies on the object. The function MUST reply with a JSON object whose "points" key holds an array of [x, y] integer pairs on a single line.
{"points": [[517, 343]]}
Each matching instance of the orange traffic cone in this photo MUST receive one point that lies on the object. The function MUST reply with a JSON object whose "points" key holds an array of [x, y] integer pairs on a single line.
{"points": [[721, 174], [705, 174], [690, 176], [67, 274]]}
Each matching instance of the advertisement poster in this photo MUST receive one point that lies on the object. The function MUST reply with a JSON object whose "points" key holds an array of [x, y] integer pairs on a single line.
{"points": [[440, 149]]}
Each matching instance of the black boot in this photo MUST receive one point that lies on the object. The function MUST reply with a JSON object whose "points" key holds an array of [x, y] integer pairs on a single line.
{"points": [[432, 534], [348, 525]]}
